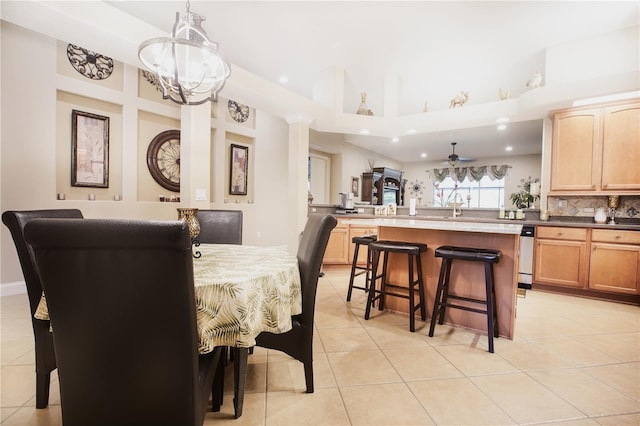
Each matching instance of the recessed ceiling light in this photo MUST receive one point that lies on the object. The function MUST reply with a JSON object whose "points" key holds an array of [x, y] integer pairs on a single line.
{"points": [[502, 120], [395, 139], [364, 131], [502, 126], [283, 79], [411, 131], [509, 148], [423, 155]]}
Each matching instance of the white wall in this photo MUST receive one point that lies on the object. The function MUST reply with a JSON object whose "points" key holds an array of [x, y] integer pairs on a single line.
{"points": [[28, 167]]}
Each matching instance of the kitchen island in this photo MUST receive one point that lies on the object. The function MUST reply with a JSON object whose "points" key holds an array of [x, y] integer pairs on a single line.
{"points": [[467, 277]]}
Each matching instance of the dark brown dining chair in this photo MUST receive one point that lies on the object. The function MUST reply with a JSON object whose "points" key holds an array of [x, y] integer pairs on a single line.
{"points": [[120, 294], [220, 226], [45, 356], [298, 342]]}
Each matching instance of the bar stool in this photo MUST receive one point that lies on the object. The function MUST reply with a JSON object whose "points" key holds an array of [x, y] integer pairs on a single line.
{"points": [[488, 257], [413, 252], [358, 241]]}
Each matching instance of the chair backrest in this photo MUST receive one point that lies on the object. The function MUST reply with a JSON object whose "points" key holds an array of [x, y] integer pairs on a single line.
{"points": [[220, 226], [16, 221], [310, 253], [121, 300]]}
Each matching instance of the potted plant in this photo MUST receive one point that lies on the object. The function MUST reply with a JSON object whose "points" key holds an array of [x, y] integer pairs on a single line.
{"points": [[523, 198]]}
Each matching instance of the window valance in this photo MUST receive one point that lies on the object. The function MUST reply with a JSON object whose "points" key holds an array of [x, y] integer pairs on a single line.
{"points": [[473, 173]]}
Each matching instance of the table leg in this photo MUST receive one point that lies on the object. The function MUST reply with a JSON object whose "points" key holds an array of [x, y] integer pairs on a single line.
{"points": [[240, 358]]}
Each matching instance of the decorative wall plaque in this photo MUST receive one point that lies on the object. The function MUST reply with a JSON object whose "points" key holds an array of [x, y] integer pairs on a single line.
{"points": [[90, 64]]}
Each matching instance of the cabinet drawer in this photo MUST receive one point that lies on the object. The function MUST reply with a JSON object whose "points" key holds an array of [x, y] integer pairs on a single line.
{"points": [[615, 236], [558, 233]]}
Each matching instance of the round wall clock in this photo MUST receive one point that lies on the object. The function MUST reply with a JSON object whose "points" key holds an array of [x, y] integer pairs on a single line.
{"points": [[238, 111], [90, 64], [163, 159]]}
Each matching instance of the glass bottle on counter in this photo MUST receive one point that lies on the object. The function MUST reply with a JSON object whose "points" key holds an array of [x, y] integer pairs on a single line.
{"points": [[501, 214]]}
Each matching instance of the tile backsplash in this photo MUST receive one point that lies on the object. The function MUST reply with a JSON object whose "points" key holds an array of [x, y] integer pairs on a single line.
{"points": [[585, 206]]}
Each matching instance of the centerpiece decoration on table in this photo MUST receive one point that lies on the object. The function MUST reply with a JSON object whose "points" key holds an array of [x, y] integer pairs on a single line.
{"points": [[190, 217], [528, 194]]}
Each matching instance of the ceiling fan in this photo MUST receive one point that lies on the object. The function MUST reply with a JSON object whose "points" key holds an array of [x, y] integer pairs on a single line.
{"points": [[455, 158]]}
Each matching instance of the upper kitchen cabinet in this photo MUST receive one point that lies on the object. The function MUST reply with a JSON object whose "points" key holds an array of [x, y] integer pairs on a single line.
{"points": [[621, 148], [596, 149]]}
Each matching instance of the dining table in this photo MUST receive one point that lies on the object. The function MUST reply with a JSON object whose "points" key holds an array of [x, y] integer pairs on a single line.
{"points": [[240, 291]]}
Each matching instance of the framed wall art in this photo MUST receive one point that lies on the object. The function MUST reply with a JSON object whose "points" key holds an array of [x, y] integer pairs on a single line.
{"points": [[90, 150], [238, 170]]}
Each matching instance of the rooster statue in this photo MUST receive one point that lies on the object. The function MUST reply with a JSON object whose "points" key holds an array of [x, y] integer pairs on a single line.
{"points": [[535, 80]]}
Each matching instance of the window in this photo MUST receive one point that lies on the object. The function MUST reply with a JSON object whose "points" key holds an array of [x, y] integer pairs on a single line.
{"points": [[486, 193]]}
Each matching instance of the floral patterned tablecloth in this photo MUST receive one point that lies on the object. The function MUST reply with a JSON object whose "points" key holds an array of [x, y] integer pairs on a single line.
{"points": [[242, 291]]}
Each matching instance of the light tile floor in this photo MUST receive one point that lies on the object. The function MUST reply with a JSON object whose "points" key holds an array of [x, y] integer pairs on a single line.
{"points": [[574, 362]]}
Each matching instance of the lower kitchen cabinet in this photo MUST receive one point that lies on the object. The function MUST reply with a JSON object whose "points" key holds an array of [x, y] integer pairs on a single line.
{"points": [[337, 250], [615, 261], [601, 263], [560, 256], [340, 248]]}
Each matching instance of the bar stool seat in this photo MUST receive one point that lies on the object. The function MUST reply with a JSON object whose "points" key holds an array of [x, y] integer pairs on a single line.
{"points": [[441, 302], [413, 252], [359, 241]]}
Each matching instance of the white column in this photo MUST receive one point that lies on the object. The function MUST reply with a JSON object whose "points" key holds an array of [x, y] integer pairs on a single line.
{"points": [[195, 154], [297, 188]]}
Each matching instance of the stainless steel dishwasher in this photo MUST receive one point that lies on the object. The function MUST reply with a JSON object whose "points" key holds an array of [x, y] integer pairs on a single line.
{"points": [[525, 271]]}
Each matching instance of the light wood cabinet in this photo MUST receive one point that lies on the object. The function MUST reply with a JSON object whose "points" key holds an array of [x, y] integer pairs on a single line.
{"points": [[621, 148], [337, 250], [560, 256], [596, 149], [340, 249], [615, 261], [575, 143]]}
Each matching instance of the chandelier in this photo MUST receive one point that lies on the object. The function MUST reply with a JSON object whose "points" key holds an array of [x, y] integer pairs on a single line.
{"points": [[188, 66]]}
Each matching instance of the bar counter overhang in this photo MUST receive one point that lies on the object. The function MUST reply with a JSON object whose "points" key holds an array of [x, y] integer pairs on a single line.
{"points": [[467, 278]]}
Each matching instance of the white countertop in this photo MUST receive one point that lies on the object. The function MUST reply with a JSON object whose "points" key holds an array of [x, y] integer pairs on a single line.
{"points": [[441, 225]]}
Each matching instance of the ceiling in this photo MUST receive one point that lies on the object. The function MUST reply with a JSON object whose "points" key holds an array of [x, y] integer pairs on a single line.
{"points": [[432, 49], [403, 54]]}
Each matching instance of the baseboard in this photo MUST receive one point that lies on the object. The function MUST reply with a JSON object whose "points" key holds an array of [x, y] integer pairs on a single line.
{"points": [[10, 289]]}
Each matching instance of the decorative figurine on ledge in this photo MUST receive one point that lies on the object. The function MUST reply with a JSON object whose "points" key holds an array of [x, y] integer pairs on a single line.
{"points": [[363, 109], [504, 95], [535, 80], [459, 100]]}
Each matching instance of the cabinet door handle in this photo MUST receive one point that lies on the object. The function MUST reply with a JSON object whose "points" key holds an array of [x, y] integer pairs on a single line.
{"points": [[559, 234], [618, 237]]}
